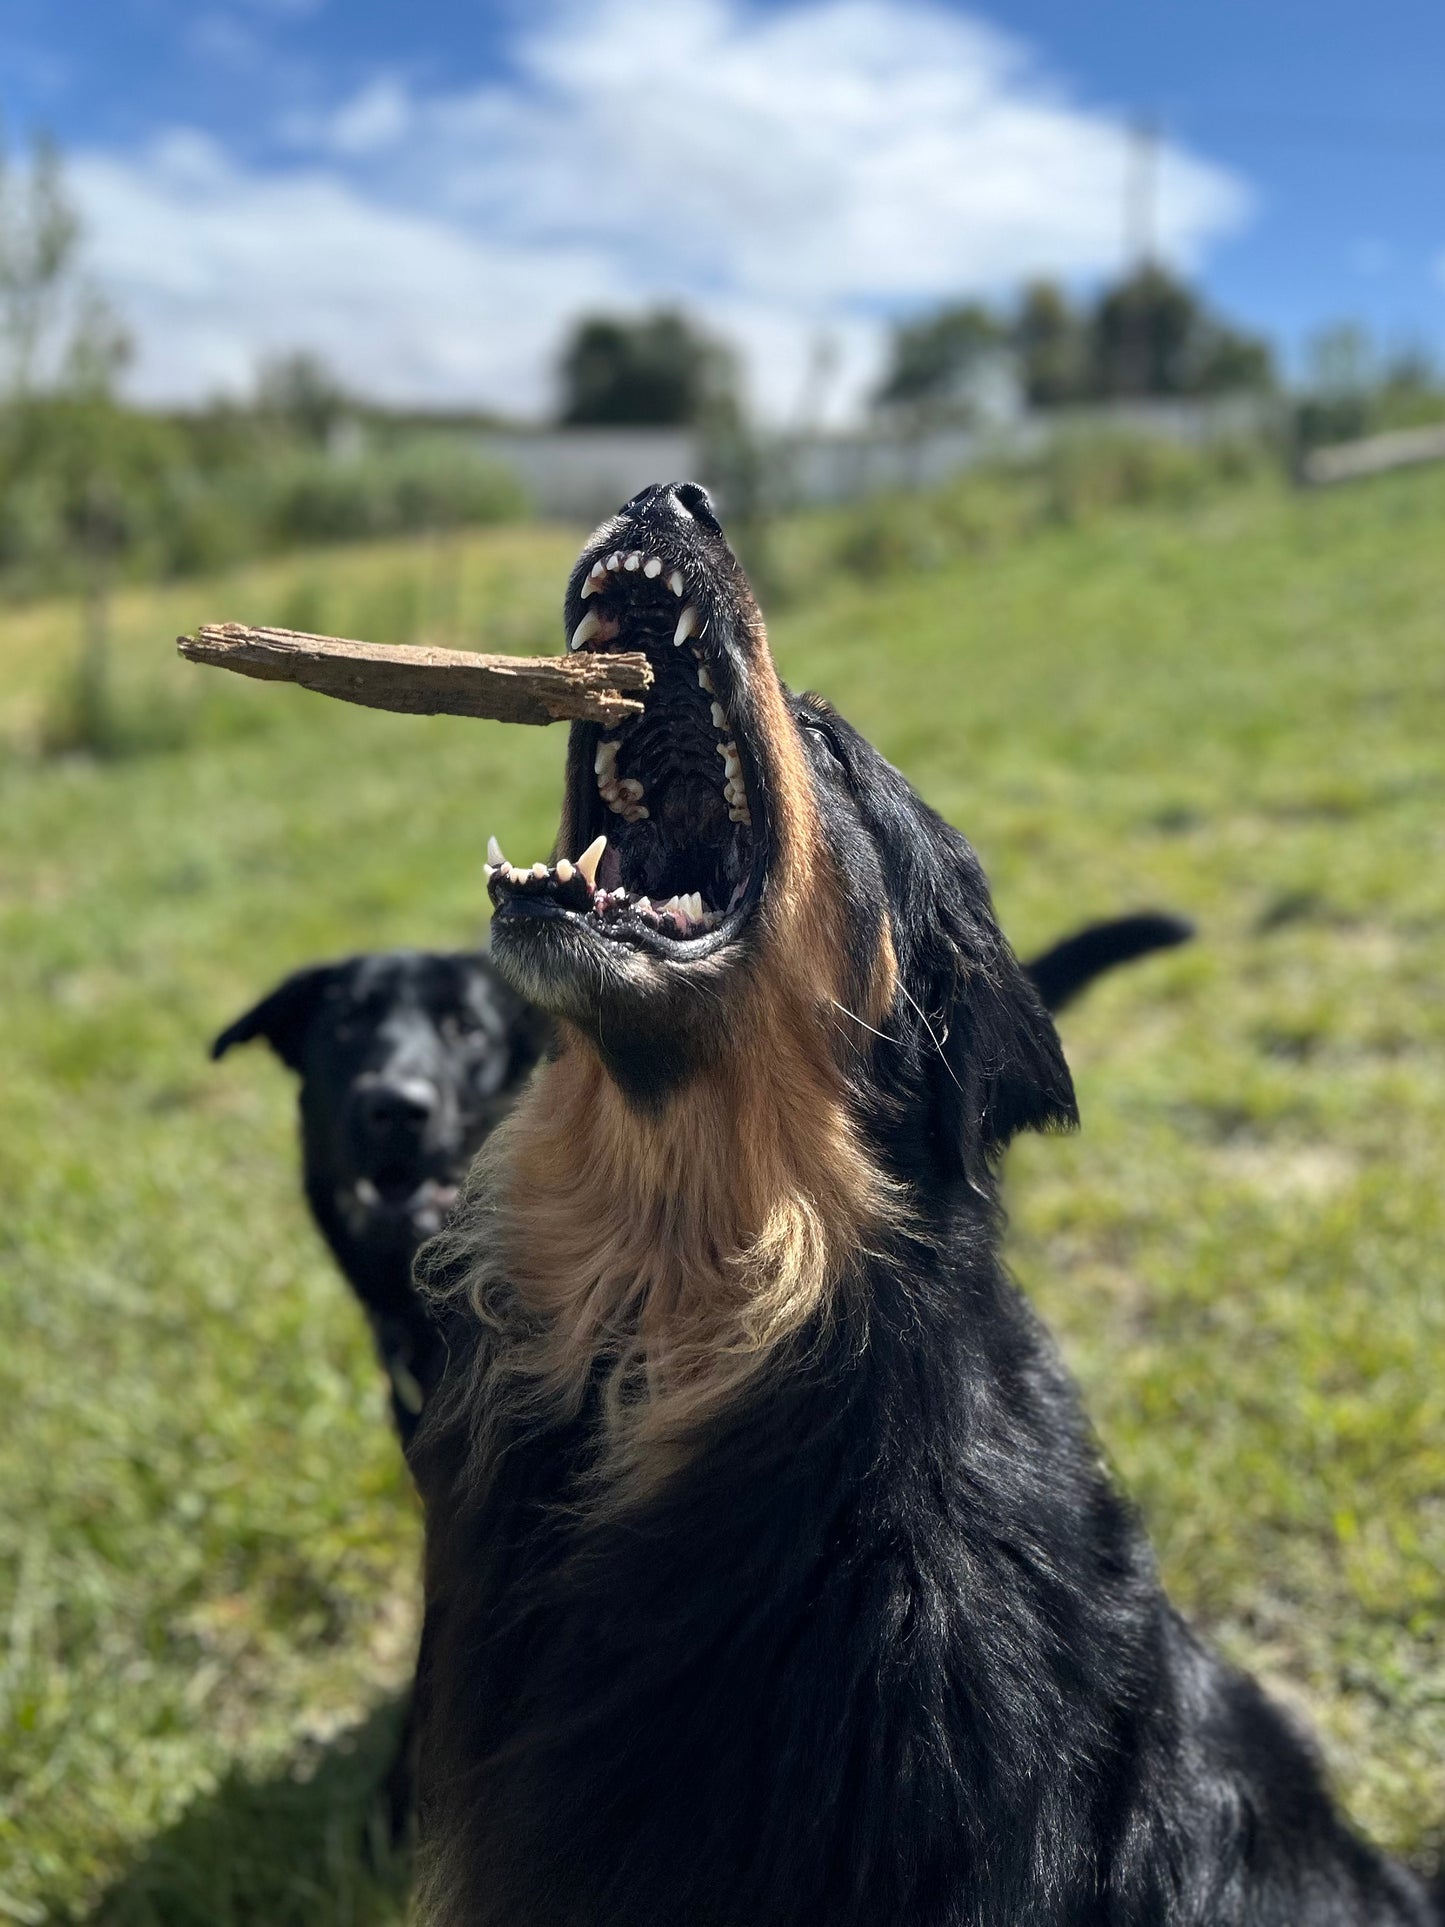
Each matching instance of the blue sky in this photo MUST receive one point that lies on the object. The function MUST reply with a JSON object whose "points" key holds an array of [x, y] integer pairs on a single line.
{"points": [[426, 193]]}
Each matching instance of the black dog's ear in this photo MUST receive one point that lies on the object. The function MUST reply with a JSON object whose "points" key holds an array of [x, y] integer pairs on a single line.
{"points": [[282, 1017]]}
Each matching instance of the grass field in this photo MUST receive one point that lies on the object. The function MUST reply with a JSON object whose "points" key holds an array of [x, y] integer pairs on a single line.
{"points": [[1235, 708]]}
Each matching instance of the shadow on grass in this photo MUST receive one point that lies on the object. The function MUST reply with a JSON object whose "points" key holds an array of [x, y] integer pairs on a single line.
{"points": [[305, 1848]]}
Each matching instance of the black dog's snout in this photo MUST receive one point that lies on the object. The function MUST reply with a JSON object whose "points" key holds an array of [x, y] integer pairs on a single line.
{"points": [[392, 1106]]}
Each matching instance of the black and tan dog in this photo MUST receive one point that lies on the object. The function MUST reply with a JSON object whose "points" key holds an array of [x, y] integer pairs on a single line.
{"points": [[773, 1578], [409, 1058]]}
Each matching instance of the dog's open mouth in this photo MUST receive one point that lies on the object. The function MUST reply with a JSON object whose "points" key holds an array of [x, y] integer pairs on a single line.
{"points": [[666, 809], [396, 1197]]}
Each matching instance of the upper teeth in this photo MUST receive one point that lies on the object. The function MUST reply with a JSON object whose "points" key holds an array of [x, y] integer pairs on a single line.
{"points": [[687, 625]]}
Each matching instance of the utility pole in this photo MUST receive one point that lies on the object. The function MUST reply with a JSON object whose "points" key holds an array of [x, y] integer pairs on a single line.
{"points": [[1141, 195], [1141, 248]]}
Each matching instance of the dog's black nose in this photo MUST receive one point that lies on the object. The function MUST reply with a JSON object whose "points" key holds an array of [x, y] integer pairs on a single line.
{"points": [[695, 501], [389, 1106]]}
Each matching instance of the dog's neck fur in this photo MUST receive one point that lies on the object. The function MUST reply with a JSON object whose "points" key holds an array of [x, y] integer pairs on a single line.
{"points": [[664, 1255]]}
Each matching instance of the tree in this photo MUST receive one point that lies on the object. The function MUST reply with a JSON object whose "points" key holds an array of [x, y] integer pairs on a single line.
{"points": [[56, 331], [1050, 338], [300, 391], [1151, 334], [656, 371], [934, 360], [68, 453]]}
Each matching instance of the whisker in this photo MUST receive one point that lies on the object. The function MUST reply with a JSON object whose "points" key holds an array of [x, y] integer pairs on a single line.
{"points": [[882, 1036], [933, 1034]]}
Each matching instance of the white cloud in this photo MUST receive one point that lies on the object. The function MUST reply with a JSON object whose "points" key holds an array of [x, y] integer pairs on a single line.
{"points": [[783, 172]]}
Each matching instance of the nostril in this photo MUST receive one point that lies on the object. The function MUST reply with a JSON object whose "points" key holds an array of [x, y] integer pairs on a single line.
{"points": [[697, 502]]}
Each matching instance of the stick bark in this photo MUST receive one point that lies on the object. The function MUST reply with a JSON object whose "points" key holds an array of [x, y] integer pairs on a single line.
{"points": [[587, 687]]}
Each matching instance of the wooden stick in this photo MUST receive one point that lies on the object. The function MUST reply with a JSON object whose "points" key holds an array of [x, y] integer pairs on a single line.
{"points": [[431, 682]]}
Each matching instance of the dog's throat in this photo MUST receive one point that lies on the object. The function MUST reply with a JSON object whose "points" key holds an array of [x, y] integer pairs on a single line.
{"points": [[675, 1253]]}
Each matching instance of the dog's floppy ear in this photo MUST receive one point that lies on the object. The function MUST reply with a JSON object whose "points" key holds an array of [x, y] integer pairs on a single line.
{"points": [[282, 1016], [994, 1060], [1000, 1068]]}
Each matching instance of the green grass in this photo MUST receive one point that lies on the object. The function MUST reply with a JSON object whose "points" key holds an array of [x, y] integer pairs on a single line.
{"points": [[1231, 707]]}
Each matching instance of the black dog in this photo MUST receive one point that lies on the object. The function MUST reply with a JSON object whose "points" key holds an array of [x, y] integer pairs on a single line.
{"points": [[407, 1060], [773, 1577]]}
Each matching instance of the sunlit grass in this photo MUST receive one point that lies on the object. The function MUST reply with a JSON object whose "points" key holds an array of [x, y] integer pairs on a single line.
{"points": [[207, 1551]]}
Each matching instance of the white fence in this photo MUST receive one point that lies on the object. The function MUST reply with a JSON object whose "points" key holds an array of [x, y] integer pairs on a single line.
{"points": [[583, 473]]}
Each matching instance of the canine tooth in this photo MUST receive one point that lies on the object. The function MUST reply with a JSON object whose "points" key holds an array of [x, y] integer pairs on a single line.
{"points": [[606, 756], [704, 679], [720, 717], [589, 587], [686, 625], [590, 858], [539, 871], [633, 562], [565, 872], [494, 853], [586, 629], [652, 567], [676, 583]]}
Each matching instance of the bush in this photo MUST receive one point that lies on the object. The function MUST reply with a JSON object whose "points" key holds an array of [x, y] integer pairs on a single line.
{"points": [[160, 498], [1078, 476], [314, 497]]}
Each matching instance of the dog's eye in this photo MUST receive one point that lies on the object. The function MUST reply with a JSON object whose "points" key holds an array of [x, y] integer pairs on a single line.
{"points": [[820, 733]]}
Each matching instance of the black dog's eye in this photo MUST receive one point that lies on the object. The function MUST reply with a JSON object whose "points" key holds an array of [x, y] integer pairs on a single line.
{"points": [[460, 1024]]}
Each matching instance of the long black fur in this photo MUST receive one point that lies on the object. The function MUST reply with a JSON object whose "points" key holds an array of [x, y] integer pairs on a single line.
{"points": [[891, 1650]]}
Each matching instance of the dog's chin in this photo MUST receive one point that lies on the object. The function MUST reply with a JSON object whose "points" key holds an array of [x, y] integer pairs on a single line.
{"points": [[395, 1215], [571, 971]]}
